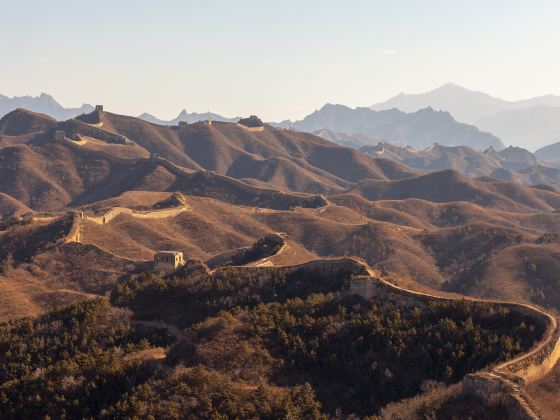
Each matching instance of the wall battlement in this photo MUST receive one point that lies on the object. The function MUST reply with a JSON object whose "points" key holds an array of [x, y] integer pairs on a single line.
{"points": [[59, 135], [250, 128], [502, 381]]}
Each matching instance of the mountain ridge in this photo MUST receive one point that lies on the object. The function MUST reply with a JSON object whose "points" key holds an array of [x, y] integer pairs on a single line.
{"points": [[190, 118], [420, 129], [44, 104], [530, 123], [465, 105]]}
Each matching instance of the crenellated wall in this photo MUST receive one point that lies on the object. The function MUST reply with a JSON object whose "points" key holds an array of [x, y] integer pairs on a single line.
{"points": [[75, 127], [325, 267], [147, 214], [250, 128], [74, 233], [503, 380], [225, 258], [79, 217]]}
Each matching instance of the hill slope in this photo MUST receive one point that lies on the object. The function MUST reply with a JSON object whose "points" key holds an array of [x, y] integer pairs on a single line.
{"points": [[282, 159], [22, 121], [510, 164]]}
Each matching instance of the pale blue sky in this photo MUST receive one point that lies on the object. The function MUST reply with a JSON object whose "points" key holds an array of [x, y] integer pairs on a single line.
{"points": [[279, 59]]}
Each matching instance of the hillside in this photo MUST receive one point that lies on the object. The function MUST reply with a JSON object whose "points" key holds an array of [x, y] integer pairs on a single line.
{"points": [[175, 345], [22, 121], [510, 164], [91, 167], [448, 186], [223, 147], [10, 207], [549, 153], [347, 140], [268, 181], [113, 202]]}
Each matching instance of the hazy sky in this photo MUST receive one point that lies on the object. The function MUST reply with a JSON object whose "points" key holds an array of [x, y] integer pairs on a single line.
{"points": [[280, 59]]}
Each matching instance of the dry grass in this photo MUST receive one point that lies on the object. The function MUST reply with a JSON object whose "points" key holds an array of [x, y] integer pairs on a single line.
{"points": [[147, 355], [545, 394], [23, 294]]}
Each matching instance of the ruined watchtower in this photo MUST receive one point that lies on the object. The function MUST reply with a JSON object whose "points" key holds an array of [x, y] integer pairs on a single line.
{"points": [[379, 149], [182, 125], [362, 286], [168, 261], [59, 135]]}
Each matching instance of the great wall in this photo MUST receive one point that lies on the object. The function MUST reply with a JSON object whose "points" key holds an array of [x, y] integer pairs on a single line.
{"points": [[501, 383], [227, 258], [79, 217], [254, 129]]}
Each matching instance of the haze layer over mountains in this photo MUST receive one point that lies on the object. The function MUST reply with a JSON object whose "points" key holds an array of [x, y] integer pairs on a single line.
{"points": [[449, 115], [529, 123]]}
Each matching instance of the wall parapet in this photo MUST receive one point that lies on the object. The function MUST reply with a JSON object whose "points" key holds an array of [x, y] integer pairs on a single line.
{"points": [[503, 379], [74, 233], [140, 214]]}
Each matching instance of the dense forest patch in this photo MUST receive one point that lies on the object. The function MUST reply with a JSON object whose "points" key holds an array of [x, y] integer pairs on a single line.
{"points": [[358, 355], [184, 301], [21, 243], [269, 344], [69, 363]]}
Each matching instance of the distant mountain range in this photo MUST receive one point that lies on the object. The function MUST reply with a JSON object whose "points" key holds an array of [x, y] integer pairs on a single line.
{"points": [[511, 164], [349, 140], [549, 153], [184, 116], [532, 127], [44, 104], [530, 123], [449, 115], [465, 105], [419, 129]]}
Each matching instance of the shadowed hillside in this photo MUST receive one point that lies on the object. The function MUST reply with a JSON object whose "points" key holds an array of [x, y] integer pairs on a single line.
{"points": [[510, 164], [22, 121], [103, 160], [447, 186]]}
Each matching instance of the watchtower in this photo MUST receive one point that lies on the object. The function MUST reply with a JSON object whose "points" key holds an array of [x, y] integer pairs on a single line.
{"points": [[59, 135], [362, 286], [99, 108], [379, 149], [182, 125], [168, 261]]}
